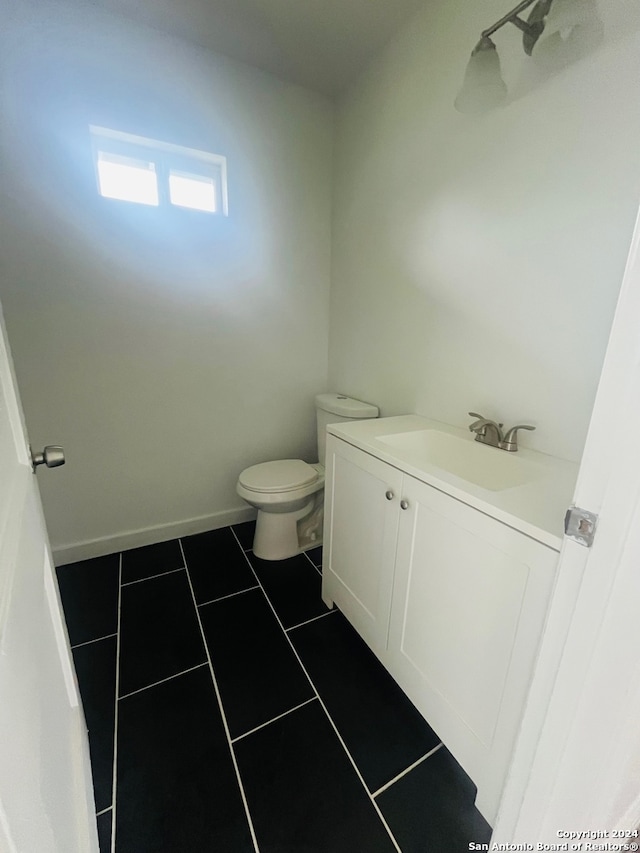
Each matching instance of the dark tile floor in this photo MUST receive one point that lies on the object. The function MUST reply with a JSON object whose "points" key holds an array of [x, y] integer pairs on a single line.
{"points": [[238, 714]]}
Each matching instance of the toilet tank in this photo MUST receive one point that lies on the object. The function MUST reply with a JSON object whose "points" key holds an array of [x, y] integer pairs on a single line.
{"points": [[336, 408]]}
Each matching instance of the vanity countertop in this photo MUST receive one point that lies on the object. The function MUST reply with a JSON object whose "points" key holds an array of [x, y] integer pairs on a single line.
{"points": [[536, 507]]}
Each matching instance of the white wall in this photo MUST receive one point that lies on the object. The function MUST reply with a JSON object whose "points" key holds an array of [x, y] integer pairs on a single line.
{"points": [[164, 351], [476, 261]]}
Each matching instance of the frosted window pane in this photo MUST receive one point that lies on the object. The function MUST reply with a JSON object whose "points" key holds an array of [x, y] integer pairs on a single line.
{"points": [[127, 179], [193, 191]]}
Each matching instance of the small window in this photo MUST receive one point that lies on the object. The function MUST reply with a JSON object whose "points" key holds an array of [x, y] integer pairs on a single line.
{"points": [[194, 191], [127, 179], [147, 171]]}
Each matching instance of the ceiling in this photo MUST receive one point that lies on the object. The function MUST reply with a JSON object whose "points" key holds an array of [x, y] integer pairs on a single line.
{"points": [[320, 44]]}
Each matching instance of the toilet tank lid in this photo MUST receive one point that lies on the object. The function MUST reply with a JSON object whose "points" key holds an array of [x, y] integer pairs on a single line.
{"points": [[346, 407]]}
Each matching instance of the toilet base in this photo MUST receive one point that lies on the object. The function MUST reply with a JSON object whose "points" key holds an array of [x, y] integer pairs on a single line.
{"points": [[280, 535]]}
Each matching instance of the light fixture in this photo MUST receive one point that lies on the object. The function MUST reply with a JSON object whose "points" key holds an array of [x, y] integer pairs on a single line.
{"points": [[572, 28], [483, 87], [555, 33]]}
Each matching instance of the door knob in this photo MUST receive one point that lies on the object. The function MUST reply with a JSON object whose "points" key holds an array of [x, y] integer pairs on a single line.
{"points": [[389, 495], [52, 456], [404, 504]]}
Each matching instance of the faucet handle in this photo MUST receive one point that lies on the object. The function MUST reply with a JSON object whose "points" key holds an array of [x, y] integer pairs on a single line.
{"points": [[481, 418], [510, 441], [479, 424]]}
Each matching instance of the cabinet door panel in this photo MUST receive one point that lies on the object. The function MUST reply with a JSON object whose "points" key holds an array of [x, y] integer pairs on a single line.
{"points": [[468, 605], [361, 526], [461, 642]]}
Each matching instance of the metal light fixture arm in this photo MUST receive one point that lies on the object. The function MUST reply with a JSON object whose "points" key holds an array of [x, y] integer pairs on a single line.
{"points": [[512, 18]]}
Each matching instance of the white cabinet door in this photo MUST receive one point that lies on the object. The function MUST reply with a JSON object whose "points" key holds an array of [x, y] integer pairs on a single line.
{"points": [[361, 525], [469, 600]]}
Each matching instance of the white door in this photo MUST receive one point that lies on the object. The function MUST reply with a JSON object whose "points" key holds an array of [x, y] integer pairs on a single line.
{"points": [[576, 767], [46, 795]]}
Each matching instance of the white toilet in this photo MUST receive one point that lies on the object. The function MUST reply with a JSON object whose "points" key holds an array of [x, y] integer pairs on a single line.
{"points": [[289, 493]]}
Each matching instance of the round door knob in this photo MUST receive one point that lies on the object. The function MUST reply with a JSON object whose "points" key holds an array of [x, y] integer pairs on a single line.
{"points": [[404, 504], [388, 495], [52, 456]]}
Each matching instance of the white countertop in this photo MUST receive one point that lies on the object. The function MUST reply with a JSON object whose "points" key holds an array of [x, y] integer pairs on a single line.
{"points": [[536, 507]]}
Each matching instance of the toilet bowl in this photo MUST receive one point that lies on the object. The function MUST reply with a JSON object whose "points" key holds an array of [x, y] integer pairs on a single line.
{"points": [[289, 493], [283, 492]]}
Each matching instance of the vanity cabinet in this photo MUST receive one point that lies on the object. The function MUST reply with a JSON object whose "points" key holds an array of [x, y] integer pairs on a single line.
{"points": [[451, 600]]}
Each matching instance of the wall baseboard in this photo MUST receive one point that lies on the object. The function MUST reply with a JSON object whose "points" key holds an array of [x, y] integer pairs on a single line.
{"points": [[73, 553]]}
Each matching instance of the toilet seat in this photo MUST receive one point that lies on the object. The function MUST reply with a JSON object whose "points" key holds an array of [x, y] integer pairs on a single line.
{"points": [[283, 475]]}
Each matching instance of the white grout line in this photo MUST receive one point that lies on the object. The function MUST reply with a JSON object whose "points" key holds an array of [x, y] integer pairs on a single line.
{"points": [[242, 548], [222, 713], [115, 721], [407, 770], [104, 811], [314, 619], [97, 640], [279, 717], [318, 570], [162, 680], [231, 595], [151, 577], [324, 708]]}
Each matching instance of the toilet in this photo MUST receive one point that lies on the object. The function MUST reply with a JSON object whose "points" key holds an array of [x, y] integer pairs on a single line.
{"points": [[289, 493]]}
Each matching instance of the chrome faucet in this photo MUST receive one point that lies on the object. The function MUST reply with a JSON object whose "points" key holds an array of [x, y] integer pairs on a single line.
{"points": [[489, 432]]}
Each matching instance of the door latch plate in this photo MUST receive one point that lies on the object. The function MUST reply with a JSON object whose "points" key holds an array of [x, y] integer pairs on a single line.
{"points": [[580, 525]]}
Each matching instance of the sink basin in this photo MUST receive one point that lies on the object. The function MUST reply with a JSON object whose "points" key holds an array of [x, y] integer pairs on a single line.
{"points": [[476, 463]]}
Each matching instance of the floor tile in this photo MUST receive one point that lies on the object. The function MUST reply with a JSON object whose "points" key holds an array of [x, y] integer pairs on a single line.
{"points": [[217, 565], [95, 666], [89, 592], [315, 555], [256, 669], [293, 587], [382, 729], [431, 808], [177, 789], [104, 831], [151, 560], [245, 533], [159, 631], [303, 792]]}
